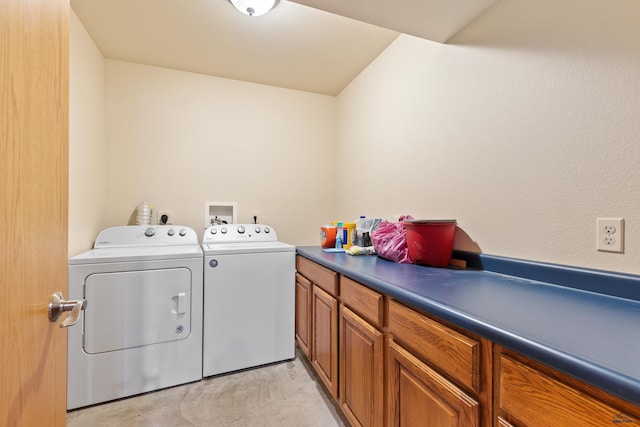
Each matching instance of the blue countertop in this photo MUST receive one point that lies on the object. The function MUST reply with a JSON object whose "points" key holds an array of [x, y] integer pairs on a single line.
{"points": [[590, 335]]}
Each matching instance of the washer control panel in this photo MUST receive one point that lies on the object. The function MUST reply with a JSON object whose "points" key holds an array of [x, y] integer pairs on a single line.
{"points": [[235, 233]]}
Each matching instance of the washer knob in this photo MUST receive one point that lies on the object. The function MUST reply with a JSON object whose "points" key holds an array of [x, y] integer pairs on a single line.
{"points": [[149, 232], [241, 229], [182, 232], [171, 232], [214, 230], [267, 229], [258, 229], [223, 230]]}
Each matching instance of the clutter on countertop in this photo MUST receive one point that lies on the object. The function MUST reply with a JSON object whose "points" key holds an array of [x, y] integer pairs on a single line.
{"points": [[360, 250], [430, 241], [390, 242], [328, 236], [346, 233], [364, 227], [332, 250], [343, 234]]}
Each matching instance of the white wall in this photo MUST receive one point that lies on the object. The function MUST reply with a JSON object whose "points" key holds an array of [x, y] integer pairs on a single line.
{"points": [[178, 139], [525, 128], [87, 149]]}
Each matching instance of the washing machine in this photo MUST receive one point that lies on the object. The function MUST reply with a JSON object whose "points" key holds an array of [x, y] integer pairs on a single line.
{"points": [[141, 329], [249, 298]]}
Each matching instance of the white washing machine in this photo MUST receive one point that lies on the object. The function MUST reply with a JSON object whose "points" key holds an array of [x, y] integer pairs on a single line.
{"points": [[249, 298], [141, 329]]}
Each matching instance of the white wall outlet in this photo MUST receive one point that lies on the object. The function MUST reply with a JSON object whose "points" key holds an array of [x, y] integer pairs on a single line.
{"points": [[610, 235], [165, 217]]}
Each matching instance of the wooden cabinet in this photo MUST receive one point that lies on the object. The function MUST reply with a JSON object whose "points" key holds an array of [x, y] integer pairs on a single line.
{"points": [[303, 314], [322, 318], [530, 394], [324, 333], [435, 375], [322, 277], [361, 366], [368, 303], [387, 364], [454, 353], [419, 396]]}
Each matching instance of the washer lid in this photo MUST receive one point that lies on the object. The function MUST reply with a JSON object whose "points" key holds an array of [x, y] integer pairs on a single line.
{"points": [[246, 248]]}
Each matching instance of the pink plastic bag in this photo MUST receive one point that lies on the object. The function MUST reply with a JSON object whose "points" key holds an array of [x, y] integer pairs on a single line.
{"points": [[390, 241]]}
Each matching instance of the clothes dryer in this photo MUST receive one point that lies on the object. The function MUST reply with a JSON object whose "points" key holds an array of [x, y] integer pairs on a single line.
{"points": [[142, 327]]}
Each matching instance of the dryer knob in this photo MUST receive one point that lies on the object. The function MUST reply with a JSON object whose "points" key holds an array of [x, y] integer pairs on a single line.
{"points": [[214, 230], [171, 232], [182, 232], [267, 230], [149, 232], [258, 229], [241, 229], [223, 230]]}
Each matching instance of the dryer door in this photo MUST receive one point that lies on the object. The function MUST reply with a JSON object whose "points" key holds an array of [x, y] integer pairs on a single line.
{"points": [[136, 308]]}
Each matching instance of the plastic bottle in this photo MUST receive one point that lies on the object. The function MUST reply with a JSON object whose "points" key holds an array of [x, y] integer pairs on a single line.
{"points": [[359, 241], [143, 213], [339, 236]]}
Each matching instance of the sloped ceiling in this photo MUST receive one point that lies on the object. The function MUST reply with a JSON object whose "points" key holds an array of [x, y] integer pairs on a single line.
{"points": [[436, 20], [316, 49]]}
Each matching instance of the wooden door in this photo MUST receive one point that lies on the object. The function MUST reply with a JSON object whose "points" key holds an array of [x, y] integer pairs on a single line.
{"points": [[303, 314], [361, 371], [34, 76], [419, 396], [324, 333]]}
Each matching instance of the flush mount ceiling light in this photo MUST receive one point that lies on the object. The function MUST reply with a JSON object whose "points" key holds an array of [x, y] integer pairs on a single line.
{"points": [[254, 7]]}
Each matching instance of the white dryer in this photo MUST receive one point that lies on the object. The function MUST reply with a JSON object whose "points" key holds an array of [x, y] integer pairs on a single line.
{"points": [[142, 327], [249, 298]]}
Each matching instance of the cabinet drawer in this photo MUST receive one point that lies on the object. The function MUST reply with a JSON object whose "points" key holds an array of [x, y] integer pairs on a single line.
{"points": [[529, 397], [453, 353], [321, 276], [364, 301]]}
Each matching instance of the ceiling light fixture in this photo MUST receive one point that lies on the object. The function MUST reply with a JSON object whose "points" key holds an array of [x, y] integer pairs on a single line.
{"points": [[254, 7]]}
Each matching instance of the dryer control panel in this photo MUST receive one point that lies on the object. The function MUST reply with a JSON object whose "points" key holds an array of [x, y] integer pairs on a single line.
{"points": [[145, 235]]}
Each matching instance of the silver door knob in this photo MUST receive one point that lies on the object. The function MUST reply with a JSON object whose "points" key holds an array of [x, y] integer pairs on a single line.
{"points": [[59, 305]]}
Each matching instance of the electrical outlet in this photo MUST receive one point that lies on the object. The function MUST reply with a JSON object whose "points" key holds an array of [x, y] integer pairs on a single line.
{"points": [[610, 235], [165, 217]]}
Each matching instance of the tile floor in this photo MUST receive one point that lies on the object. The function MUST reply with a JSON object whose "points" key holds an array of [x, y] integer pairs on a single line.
{"points": [[279, 395]]}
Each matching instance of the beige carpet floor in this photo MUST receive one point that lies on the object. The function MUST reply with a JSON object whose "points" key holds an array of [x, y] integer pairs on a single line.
{"points": [[279, 395]]}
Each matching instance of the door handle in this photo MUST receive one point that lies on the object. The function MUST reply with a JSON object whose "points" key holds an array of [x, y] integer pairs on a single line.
{"points": [[59, 305]]}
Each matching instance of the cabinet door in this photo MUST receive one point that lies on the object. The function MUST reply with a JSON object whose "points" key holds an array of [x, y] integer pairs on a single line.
{"points": [[529, 397], [303, 314], [419, 396], [361, 370], [324, 333]]}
